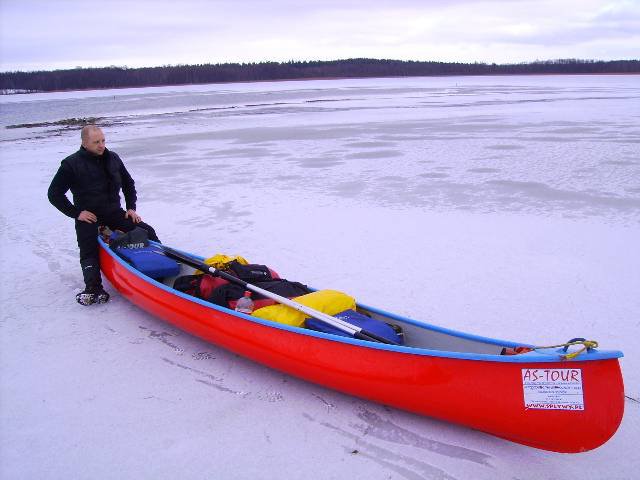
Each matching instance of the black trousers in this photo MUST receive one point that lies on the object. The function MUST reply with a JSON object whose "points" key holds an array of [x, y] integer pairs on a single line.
{"points": [[87, 235]]}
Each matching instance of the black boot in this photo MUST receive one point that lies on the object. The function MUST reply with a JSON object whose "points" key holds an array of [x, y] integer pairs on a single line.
{"points": [[93, 292], [91, 272], [91, 295]]}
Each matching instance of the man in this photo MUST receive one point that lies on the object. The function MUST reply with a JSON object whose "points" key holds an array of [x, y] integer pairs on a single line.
{"points": [[95, 177]]}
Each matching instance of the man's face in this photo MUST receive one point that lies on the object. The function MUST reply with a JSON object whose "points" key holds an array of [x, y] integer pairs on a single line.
{"points": [[95, 142]]}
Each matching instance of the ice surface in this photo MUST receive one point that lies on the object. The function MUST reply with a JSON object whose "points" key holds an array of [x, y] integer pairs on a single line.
{"points": [[502, 206]]}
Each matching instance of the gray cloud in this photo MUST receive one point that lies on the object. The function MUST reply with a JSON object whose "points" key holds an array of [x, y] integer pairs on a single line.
{"points": [[44, 34]]}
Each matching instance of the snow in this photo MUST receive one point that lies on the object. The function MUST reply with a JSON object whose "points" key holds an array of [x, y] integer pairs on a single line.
{"points": [[502, 206]]}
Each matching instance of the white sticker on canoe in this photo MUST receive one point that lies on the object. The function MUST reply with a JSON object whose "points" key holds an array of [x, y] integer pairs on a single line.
{"points": [[553, 388]]}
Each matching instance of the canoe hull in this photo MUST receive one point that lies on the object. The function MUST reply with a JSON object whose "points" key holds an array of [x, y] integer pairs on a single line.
{"points": [[484, 395]]}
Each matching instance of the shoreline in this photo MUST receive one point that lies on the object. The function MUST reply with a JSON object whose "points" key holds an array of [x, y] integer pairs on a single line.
{"points": [[304, 79]]}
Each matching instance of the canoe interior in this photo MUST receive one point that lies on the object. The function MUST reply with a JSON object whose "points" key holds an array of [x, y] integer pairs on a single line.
{"points": [[422, 335]]}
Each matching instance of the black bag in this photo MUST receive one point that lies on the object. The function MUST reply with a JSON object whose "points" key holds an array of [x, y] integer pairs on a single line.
{"points": [[189, 284], [285, 288], [249, 273], [136, 238]]}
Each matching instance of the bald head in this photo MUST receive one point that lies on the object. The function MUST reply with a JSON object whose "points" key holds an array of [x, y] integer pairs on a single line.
{"points": [[93, 139], [87, 129]]}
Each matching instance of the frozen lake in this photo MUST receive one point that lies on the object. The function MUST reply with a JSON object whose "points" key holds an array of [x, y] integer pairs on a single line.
{"points": [[544, 144], [503, 206]]}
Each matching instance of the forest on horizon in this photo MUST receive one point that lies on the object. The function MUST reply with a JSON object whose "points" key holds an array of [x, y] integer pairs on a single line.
{"points": [[123, 77]]}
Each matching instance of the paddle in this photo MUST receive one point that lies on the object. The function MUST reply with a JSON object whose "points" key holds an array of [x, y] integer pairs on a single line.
{"points": [[346, 327]]}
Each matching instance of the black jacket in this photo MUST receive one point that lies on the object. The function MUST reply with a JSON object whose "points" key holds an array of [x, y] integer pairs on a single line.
{"points": [[95, 182]]}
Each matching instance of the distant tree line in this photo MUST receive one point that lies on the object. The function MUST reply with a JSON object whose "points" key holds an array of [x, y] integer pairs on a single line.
{"points": [[121, 77]]}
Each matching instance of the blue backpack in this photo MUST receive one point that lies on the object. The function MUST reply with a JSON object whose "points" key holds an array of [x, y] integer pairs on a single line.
{"points": [[381, 329], [134, 248]]}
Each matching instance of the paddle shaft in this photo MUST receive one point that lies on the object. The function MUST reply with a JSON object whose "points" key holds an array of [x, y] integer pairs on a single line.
{"points": [[346, 327]]}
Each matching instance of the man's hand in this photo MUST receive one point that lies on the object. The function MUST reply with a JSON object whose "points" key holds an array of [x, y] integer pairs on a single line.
{"points": [[133, 216], [87, 216]]}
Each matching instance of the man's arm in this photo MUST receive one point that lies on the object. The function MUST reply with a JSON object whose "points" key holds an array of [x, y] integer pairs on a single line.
{"points": [[57, 192], [128, 188]]}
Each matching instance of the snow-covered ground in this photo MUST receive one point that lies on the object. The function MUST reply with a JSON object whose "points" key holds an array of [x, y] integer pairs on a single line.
{"points": [[502, 206]]}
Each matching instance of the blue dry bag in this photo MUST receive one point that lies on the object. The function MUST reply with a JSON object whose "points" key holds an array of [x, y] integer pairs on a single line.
{"points": [[381, 329]]}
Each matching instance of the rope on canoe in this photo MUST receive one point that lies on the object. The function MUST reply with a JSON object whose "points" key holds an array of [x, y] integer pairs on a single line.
{"points": [[586, 345]]}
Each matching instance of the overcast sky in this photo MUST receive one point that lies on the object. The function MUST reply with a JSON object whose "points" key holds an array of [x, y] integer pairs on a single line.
{"points": [[51, 34]]}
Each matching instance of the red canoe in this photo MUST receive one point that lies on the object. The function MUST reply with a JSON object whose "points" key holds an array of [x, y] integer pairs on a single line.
{"points": [[539, 398]]}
